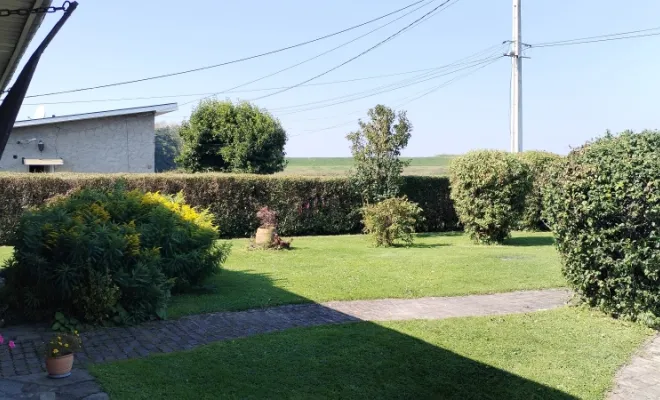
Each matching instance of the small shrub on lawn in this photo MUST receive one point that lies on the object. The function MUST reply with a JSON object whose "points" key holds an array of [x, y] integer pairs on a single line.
{"points": [[113, 255], [391, 221], [604, 210], [489, 188], [539, 164]]}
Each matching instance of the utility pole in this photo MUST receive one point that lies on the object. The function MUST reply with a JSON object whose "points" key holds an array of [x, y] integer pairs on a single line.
{"points": [[516, 82]]}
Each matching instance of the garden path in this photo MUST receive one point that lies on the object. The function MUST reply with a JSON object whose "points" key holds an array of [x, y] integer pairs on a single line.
{"points": [[22, 370]]}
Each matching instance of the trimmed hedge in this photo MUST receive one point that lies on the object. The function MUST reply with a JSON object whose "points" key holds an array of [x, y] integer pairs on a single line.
{"points": [[539, 163], [489, 189], [306, 206], [603, 207]]}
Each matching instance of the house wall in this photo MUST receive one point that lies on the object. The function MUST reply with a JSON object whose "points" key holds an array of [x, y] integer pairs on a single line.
{"points": [[101, 145]]}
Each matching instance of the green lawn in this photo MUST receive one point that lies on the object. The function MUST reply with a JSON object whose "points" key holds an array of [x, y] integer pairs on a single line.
{"points": [[327, 166], [324, 268], [5, 252], [347, 267], [560, 354]]}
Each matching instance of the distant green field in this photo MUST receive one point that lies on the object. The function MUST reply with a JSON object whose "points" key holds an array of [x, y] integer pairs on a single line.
{"points": [[333, 166]]}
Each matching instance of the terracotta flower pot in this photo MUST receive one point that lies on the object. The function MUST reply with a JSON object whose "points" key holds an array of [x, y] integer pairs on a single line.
{"points": [[264, 236], [59, 367]]}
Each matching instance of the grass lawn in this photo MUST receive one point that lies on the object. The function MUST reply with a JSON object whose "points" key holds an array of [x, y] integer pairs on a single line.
{"points": [[5, 252], [347, 267], [560, 354], [328, 166]]}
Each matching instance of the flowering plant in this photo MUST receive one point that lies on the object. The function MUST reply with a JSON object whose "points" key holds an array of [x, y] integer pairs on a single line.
{"points": [[10, 343], [63, 344]]}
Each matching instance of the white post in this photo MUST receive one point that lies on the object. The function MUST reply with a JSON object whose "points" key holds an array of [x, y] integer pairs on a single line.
{"points": [[516, 82]]}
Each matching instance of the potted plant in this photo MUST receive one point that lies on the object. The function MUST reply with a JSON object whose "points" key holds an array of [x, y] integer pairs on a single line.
{"points": [[59, 354], [267, 226]]}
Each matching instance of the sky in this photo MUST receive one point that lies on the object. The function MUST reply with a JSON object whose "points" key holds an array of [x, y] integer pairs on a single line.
{"points": [[571, 94]]}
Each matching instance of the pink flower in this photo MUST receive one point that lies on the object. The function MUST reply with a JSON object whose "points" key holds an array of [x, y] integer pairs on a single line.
{"points": [[2, 340], [11, 344]]}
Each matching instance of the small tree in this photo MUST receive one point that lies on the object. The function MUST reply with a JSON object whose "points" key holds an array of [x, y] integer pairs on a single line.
{"points": [[227, 137], [376, 148], [168, 146]]}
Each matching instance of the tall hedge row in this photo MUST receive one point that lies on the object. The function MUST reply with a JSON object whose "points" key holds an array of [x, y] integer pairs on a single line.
{"points": [[307, 206]]}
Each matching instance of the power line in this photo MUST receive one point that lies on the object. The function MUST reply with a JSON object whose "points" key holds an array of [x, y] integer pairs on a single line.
{"points": [[408, 99], [314, 57], [409, 26], [234, 91], [232, 61], [385, 90], [600, 38], [416, 79]]}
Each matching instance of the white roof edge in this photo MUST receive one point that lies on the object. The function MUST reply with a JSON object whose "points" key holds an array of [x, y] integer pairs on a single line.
{"points": [[157, 109]]}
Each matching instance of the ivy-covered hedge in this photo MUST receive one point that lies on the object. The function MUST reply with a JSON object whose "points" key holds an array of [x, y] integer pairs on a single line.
{"points": [[306, 206], [603, 206]]}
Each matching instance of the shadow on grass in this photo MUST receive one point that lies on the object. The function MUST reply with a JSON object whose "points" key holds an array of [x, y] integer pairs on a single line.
{"points": [[525, 241], [425, 245], [439, 234], [331, 355]]}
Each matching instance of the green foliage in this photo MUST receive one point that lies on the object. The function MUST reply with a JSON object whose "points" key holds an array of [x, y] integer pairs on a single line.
{"points": [[66, 324], [101, 255], [306, 206], [168, 147], [489, 189], [376, 148], [604, 210], [391, 220], [227, 137], [539, 164]]}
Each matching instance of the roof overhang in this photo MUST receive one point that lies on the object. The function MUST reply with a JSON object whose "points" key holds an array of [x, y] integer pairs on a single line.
{"points": [[16, 32], [43, 161], [157, 110]]}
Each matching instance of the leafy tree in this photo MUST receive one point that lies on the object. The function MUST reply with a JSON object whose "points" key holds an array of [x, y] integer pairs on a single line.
{"points": [[376, 148], [168, 146], [228, 137]]}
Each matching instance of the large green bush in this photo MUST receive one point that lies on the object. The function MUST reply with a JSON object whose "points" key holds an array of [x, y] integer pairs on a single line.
{"points": [[539, 164], [489, 188], [98, 255], [391, 221], [604, 210], [228, 137], [306, 206]]}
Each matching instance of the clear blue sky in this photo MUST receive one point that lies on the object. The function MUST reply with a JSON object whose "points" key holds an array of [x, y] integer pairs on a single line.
{"points": [[571, 94]]}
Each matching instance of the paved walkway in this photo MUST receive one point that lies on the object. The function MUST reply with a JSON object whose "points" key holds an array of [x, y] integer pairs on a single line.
{"points": [[640, 379], [23, 369]]}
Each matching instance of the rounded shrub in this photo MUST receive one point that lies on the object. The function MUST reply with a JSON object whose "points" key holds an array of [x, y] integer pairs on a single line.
{"points": [[488, 188], [604, 210], [539, 164], [391, 221], [102, 256]]}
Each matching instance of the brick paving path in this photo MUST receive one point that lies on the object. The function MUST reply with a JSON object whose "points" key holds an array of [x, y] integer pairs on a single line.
{"points": [[640, 379], [109, 344], [22, 371]]}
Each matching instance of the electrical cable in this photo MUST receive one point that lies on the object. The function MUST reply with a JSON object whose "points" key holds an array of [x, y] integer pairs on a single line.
{"points": [[312, 58], [229, 62], [385, 90], [409, 26], [408, 99], [599, 38]]}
